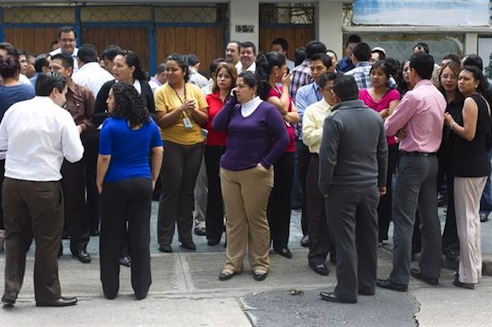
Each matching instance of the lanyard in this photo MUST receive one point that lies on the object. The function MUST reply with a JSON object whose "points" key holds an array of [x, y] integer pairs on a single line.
{"points": [[316, 93], [184, 92]]}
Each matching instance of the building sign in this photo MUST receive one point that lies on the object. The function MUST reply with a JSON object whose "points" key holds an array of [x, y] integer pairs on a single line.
{"points": [[245, 28], [421, 12]]}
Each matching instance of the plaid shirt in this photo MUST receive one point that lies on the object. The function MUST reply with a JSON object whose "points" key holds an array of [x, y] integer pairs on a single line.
{"points": [[301, 75], [361, 75]]}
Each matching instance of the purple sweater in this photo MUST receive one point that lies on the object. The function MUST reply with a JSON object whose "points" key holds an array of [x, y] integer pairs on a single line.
{"points": [[258, 138]]}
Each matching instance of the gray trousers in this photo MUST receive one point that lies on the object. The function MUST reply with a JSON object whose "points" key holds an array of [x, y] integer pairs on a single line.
{"points": [[353, 217], [416, 187]]}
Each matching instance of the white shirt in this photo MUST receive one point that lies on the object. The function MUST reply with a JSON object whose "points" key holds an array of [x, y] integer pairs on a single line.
{"points": [[74, 56], [251, 68], [198, 79], [92, 76], [154, 84], [249, 107], [35, 136]]}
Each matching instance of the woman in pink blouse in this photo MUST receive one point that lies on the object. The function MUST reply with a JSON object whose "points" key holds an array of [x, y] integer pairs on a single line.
{"points": [[383, 99]]}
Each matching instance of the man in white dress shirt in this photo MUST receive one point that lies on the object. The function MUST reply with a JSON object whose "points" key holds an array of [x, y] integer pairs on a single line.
{"points": [[90, 74], [67, 41], [37, 135]]}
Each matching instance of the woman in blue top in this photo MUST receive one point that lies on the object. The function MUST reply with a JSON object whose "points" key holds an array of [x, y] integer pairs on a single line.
{"points": [[12, 91], [126, 182]]}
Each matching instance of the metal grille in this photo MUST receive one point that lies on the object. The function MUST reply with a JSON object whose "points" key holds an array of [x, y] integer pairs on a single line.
{"points": [[39, 15], [348, 14], [116, 14], [42, 14], [190, 14], [294, 14]]}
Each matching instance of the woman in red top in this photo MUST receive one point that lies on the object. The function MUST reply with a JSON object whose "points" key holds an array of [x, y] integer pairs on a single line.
{"points": [[271, 70], [215, 147]]}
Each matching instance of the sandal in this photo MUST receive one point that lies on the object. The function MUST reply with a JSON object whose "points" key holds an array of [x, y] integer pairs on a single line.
{"points": [[260, 275], [226, 274]]}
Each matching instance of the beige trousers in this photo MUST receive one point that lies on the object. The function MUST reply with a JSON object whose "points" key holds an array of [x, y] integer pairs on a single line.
{"points": [[245, 195], [467, 193]]}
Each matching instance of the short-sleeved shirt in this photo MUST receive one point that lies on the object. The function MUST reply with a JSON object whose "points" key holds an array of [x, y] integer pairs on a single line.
{"points": [[290, 129], [167, 100], [129, 148], [12, 94], [378, 106]]}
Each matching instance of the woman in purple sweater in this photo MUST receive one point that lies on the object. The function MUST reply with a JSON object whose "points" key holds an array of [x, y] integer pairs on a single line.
{"points": [[256, 139]]}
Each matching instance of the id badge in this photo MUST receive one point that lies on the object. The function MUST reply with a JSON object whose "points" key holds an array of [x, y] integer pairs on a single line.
{"points": [[187, 123]]}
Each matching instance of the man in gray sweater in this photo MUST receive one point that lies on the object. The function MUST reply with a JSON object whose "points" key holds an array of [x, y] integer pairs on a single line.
{"points": [[352, 175]]}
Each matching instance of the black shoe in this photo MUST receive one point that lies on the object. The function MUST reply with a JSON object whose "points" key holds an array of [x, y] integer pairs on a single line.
{"points": [[484, 217], [83, 256], [201, 231], [418, 275], [166, 248], [320, 269], [457, 283], [125, 261], [9, 298], [188, 246], [213, 242], [95, 232], [384, 283], [259, 276], [226, 274], [452, 255], [365, 292], [305, 241], [285, 252], [331, 297], [61, 302]]}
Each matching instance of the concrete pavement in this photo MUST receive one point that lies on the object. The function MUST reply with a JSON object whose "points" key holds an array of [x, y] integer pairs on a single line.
{"points": [[186, 292]]}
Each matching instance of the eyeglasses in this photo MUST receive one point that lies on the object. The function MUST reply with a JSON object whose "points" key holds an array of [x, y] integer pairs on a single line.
{"points": [[329, 90], [67, 40]]}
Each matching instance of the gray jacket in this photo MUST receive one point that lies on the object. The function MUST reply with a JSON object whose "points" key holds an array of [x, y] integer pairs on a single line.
{"points": [[353, 149]]}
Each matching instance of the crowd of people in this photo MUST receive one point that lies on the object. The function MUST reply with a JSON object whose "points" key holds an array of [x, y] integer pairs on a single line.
{"points": [[355, 143]]}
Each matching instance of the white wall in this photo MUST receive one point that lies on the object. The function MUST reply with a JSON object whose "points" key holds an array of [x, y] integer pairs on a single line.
{"points": [[244, 12]]}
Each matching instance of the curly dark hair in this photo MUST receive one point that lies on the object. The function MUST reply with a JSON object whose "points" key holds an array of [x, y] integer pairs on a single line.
{"points": [[128, 104]]}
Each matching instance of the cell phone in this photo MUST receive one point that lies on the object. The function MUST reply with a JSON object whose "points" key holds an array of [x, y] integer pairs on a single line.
{"points": [[288, 71]]}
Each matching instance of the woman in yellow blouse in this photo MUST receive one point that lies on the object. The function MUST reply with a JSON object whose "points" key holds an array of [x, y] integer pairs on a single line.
{"points": [[181, 108]]}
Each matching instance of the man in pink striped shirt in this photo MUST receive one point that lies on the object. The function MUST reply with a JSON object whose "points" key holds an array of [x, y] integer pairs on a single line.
{"points": [[418, 121]]}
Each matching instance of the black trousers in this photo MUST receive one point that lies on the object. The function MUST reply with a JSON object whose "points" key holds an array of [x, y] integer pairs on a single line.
{"points": [[352, 212], [303, 159], [179, 171], [450, 240], [214, 218], [129, 200], [33, 210], [2, 176], [91, 151], [76, 217], [385, 206], [279, 208], [320, 238]]}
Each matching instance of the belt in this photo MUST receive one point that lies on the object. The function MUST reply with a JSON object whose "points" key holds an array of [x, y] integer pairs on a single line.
{"points": [[416, 154]]}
